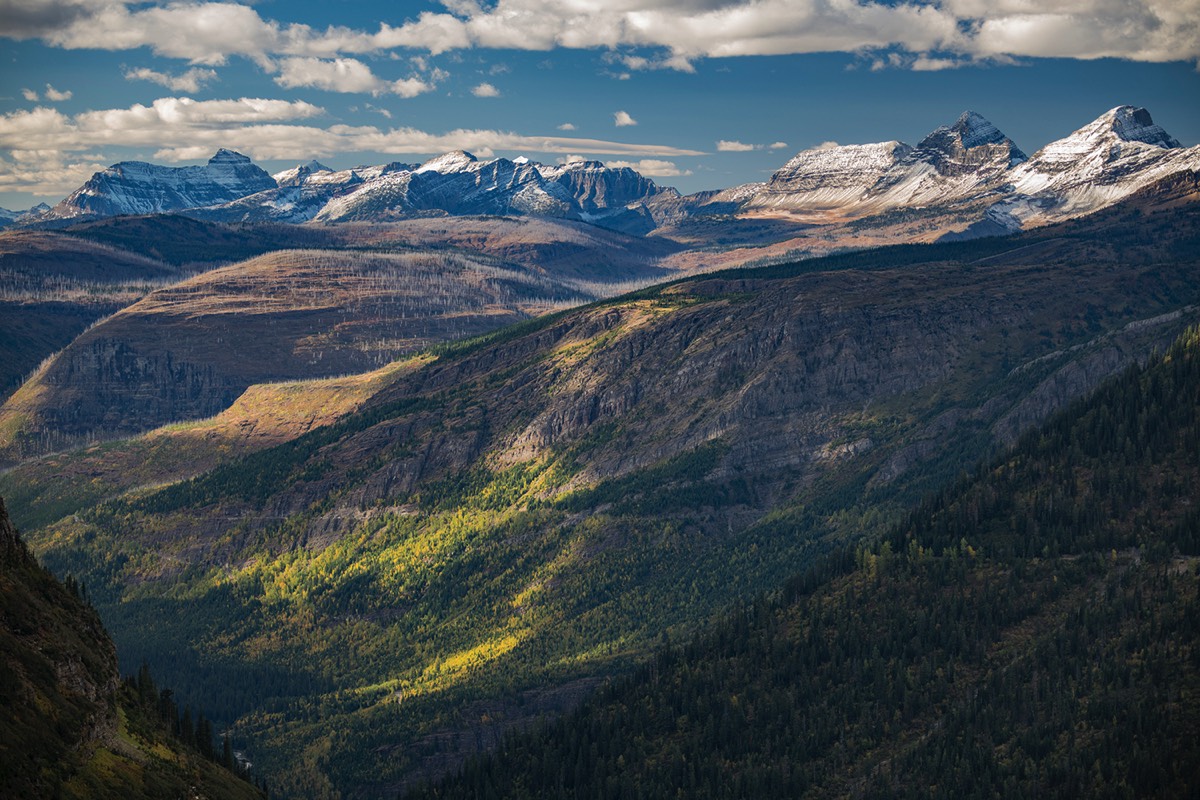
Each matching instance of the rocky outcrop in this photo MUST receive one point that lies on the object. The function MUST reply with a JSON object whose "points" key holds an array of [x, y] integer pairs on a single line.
{"points": [[57, 701]]}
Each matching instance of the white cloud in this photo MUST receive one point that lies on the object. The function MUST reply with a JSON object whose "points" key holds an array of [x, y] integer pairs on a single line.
{"points": [[55, 96], [410, 87], [927, 64], [641, 34], [726, 146], [566, 126], [485, 90], [30, 95], [192, 80], [348, 75], [622, 119], [44, 174], [180, 128], [653, 167], [777, 145], [826, 146]]}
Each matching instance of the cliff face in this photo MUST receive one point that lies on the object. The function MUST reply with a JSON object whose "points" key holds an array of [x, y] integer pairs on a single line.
{"points": [[58, 697]]}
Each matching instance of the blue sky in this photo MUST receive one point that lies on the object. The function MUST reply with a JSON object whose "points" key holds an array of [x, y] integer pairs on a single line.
{"points": [[697, 93]]}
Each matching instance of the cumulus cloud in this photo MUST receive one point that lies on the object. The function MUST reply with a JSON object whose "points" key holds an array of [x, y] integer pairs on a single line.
{"points": [[622, 119], [485, 90], [641, 34], [347, 75], [653, 167], [51, 94], [193, 80], [566, 126], [45, 174], [181, 128], [777, 145], [726, 146]]}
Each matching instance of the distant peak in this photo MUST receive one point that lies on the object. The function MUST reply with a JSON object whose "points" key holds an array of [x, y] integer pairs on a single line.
{"points": [[448, 162], [1135, 125], [521, 160], [969, 131], [581, 164], [224, 156], [316, 166]]}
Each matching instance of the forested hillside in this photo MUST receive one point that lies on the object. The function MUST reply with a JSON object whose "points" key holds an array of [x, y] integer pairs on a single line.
{"points": [[1033, 631]]}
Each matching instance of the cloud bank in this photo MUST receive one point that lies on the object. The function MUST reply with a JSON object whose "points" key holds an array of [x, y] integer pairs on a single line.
{"points": [[941, 33]]}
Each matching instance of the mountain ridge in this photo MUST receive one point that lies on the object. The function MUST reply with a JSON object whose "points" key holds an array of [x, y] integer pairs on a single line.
{"points": [[966, 168]]}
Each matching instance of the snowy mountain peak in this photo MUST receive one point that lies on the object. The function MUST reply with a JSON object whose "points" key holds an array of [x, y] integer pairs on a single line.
{"points": [[970, 131], [1135, 125], [135, 187], [974, 130], [223, 156], [454, 161]]}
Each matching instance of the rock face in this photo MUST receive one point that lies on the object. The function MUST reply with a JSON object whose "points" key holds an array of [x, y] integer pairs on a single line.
{"points": [[135, 187], [58, 698], [11, 218], [598, 189], [455, 183], [953, 163]]}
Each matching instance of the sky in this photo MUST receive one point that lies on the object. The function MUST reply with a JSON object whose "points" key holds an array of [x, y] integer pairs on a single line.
{"points": [[697, 94]]}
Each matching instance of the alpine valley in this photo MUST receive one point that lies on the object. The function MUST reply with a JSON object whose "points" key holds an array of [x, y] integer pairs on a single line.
{"points": [[491, 478]]}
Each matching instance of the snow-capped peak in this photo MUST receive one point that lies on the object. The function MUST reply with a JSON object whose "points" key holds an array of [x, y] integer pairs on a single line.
{"points": [[454, 161], [973, 129], [223, 156], [1102, 162], [970, 131], [1135, 125]]}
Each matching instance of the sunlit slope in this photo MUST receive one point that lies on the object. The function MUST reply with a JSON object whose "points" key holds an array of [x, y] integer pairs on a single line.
{"points": [[1032, 630], [45, 489]]}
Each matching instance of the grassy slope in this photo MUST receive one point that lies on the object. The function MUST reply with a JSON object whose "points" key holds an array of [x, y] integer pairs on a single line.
{"points": [[1032, 631], [47, 489]]}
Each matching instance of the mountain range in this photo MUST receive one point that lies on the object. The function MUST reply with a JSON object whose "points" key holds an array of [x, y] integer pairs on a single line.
{"points": [[965, 179]]}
